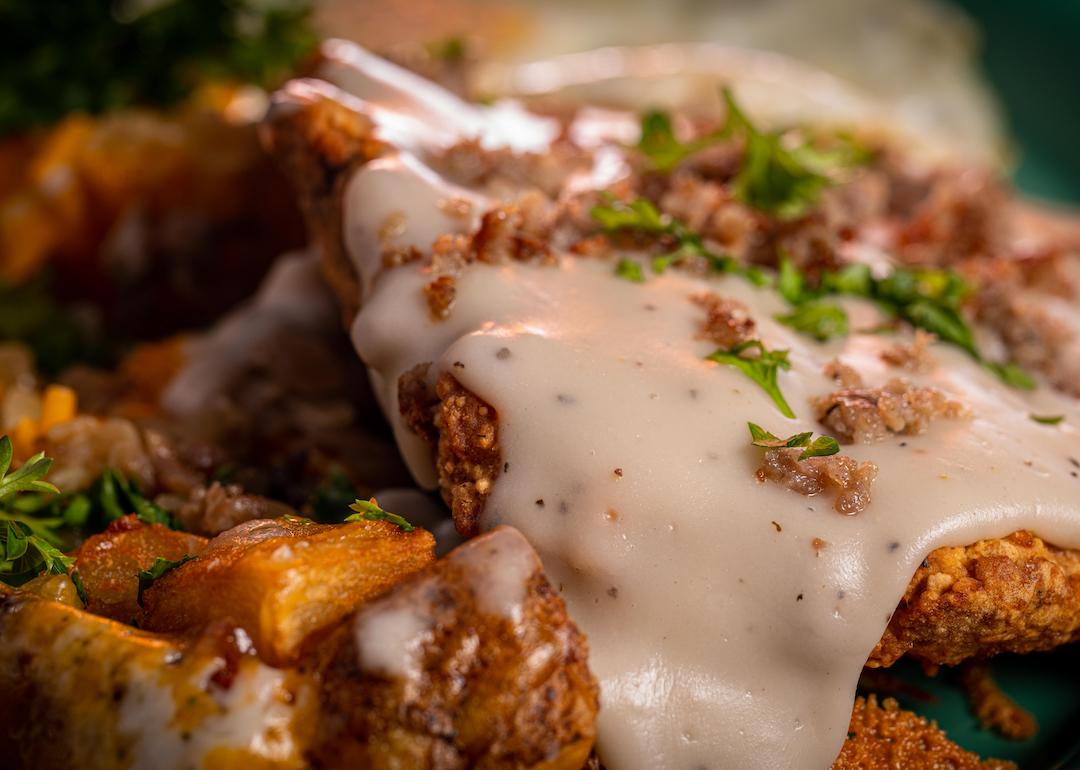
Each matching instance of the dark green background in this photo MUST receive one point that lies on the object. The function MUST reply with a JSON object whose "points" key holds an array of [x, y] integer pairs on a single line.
{"points": [[1031, 54]]}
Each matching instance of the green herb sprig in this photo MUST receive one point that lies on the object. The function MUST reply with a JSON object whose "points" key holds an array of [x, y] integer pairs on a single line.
{"points": [[782, 181], [158, 569], [762, 368], [642, 216], [29, 544], [822, 446], [929, 299], [369, 510], [1048, 419]]}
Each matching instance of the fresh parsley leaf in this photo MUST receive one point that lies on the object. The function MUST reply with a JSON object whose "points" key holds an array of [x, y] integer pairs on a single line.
{"points": [[790, 281], [1048, 419], [370, 510], [641, 215], [763, 438], [1011, 374], [855, 279], [762, 368], [450, 49], [80, 589], [658, 142], [118, 497], [772, 178], [28, 478], [630, 270], [158, 569], [820, 320], [27, 541], [822, 446]]}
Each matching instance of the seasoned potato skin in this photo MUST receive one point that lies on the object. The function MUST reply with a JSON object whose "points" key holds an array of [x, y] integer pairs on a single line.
{"points": [[488, 692], [109, 563], [285, 581]]}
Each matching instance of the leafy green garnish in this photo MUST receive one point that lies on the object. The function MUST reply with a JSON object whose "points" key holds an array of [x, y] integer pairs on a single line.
{"points": [[772, 178], [762, 368], [449, 49], [821, 320], [157, 570], [119, 497], [370, 510], [27, 543], [1011, 374], [822, 446], [630, 270], [93, 56], [1048, 419], [926, 298], [642, 216]]}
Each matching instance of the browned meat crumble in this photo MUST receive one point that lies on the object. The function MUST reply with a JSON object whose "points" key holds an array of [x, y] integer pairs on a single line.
{"points": [[727, 321], [847, 480], [864, 415], [469, 457], [914, 356]]}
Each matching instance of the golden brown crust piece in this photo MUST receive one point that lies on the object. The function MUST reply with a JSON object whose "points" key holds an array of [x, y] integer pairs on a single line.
{"points": [[883, 736], [1016, 594], [318, 140], [484, 689]]}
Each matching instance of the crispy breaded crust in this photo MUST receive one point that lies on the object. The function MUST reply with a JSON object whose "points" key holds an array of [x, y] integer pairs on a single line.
{"points": [[883, 736], [1016, 594], [317, 140], [482, 690]]}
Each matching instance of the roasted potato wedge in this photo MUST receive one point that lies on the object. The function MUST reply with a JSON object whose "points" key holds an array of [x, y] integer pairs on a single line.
{"points": [[85, 692], [285, 581], [109, 563]]}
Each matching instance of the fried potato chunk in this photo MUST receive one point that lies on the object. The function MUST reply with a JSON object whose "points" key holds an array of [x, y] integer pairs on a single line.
{"points": [[109, 563], [472, 663], [1015, 594], [285, 581], [87, 692]]}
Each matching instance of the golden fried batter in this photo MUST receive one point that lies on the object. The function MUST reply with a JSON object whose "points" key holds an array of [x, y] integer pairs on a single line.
{"points": [[1016, 594], [884, 737]]}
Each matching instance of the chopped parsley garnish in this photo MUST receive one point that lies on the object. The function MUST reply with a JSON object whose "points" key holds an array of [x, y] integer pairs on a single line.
{"points": [[118, 497], [642, 216], [158, 569], [449, 49], [926, 298], [630, 270], [762, 368], [29, 544], [820, 320], [369, 510], [1048, 419], [822, 446], [780, 180]]}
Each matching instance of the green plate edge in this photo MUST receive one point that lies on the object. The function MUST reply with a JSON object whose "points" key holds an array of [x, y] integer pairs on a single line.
{"points": [[1046, 684]]}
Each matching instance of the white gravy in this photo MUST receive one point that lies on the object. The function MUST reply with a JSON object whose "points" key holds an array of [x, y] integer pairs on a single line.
{"points": [[719, 641]]}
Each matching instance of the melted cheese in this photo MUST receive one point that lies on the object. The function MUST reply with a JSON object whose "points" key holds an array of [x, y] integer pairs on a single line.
{"points": [[720, 638]]}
